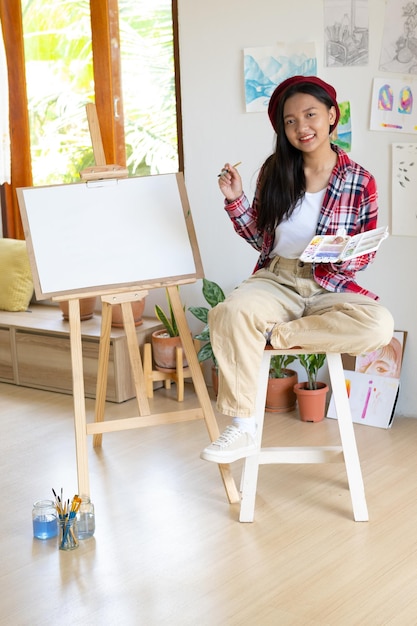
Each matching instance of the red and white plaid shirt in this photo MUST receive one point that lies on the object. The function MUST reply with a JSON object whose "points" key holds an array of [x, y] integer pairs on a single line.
{"points": [[350, 203]]}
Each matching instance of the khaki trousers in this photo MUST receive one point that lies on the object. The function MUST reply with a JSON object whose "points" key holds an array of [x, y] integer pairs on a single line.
{"points": [[305, 315]]}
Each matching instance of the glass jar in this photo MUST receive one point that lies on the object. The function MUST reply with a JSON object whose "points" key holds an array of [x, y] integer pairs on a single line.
{"points": [[44, 520], [68, 539], [86, 521]]}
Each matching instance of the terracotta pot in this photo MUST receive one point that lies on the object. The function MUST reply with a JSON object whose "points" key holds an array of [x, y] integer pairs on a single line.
{"points": [[311, 402], [137, 308], [164, 350], [280, 395], [87, 307]]}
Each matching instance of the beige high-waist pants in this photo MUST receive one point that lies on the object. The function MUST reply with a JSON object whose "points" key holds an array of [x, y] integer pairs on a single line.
{"points": [[305, 315]]}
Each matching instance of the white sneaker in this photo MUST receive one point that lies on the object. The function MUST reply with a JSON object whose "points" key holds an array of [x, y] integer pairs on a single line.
{"points": [[233, 444]]}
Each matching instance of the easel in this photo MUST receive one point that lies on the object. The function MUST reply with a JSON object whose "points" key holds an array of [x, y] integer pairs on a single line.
{"points": [[125, 297]]}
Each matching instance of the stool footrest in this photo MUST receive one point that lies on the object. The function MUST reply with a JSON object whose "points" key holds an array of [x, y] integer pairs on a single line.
{"points": [[301, 454]]}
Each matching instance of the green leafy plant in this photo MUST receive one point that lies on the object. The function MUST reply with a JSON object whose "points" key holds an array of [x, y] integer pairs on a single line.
{"points": [[279, 363], [213, 294], [312, 363], [168, 320]]}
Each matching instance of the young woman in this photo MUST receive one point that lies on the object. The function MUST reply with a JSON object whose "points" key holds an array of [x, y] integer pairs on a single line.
{"points": [[307, 186]]}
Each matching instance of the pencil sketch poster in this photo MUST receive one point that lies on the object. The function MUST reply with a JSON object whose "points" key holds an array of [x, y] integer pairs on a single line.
{"points": [[393, 105], [399, 39], [267, 67], [346, 33], [404, 189]]}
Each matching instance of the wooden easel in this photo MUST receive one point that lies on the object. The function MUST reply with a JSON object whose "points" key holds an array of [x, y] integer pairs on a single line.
{"points": [[125, 297]]}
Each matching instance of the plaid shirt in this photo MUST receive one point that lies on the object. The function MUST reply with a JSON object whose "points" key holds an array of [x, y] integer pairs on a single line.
{"points": [[350, 203]]}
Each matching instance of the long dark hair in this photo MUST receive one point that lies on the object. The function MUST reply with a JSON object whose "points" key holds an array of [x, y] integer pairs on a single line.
{"points": [[282, 181]]}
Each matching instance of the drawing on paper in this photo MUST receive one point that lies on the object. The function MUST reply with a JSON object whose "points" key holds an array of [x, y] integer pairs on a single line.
{"points": [[393, 108], [399, 41], [385, 361], [267, 67], [342, 134], [346, 32], [374, 384], [404, 189]]}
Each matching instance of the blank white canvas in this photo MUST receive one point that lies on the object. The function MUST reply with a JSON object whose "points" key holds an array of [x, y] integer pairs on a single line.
{"points": [[101, 233]]}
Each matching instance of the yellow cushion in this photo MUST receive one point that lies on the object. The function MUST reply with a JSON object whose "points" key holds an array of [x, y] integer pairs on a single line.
{"points": [[16, 284]]}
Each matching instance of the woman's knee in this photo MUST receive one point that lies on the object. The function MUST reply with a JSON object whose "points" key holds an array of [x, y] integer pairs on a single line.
{"points": [[378, 326], [371, 324], [383, 328]]}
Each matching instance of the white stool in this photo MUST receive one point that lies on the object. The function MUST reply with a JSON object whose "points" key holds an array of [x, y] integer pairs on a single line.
{"points": [[347, 452]]}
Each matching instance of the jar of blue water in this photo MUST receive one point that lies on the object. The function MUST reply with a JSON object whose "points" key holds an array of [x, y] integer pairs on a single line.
{"points": [[44, 520], [86, 521]]}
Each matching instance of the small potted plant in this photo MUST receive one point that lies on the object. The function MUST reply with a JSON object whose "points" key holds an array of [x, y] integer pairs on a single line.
{"points": [[280, 395], [311, 395], [213, 294], [166, 341], [138, 307]]}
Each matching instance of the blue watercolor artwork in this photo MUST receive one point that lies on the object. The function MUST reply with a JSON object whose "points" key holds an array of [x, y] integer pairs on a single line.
{"points": [[267, 67]]}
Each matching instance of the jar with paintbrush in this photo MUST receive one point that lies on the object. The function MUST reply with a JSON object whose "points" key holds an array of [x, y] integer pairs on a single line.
{"points": [[67, 521]]}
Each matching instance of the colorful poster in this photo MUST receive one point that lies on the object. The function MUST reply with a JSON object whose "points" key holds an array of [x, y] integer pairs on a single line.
{"points": [[342, 135], [372, 399], [394, 105], [373, 385]]}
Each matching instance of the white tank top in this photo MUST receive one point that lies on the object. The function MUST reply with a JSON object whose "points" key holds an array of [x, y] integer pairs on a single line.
{"points": [[293, 235]]}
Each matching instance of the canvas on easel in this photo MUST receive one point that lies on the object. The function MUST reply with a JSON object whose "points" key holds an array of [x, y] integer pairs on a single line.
{"points": [[116, 238], [98, 235]]}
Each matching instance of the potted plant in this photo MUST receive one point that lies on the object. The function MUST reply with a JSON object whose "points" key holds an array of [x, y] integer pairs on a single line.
{"points": [[311, 395], [213, 294], [87, 308], [280, 395], [166, 341], [138, 306]]}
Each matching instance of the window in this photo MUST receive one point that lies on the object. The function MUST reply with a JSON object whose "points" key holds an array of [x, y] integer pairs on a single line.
{"points": [[62, 54], [61, 80]]}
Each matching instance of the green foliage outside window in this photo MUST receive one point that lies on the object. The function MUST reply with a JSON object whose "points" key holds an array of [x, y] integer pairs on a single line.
{"points": [[59, 72]]}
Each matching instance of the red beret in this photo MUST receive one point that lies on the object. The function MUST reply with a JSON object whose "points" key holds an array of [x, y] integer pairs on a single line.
{"points": [[295, 80]]}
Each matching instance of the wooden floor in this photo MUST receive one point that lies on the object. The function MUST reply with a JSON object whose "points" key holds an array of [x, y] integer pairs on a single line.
{"points": [[168, 548]]}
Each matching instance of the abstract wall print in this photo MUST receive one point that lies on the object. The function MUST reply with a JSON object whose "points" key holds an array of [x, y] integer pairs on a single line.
{"points": [[399, 41], [346, 33], [404, 189], [394, 105], [342, 135], [267, 67]]}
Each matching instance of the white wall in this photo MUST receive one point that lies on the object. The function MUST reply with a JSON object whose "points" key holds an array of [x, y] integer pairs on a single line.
{"points": [[213, 35]]}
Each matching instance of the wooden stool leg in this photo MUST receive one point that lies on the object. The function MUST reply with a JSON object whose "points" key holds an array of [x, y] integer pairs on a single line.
{"points": [[347, 436], [249, 479]]}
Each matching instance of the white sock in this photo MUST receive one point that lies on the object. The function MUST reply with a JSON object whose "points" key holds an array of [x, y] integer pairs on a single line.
{"points": [[245, 424]]}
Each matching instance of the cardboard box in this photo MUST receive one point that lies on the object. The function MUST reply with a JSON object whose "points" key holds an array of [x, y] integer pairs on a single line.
{"points": [[373, 383]]}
